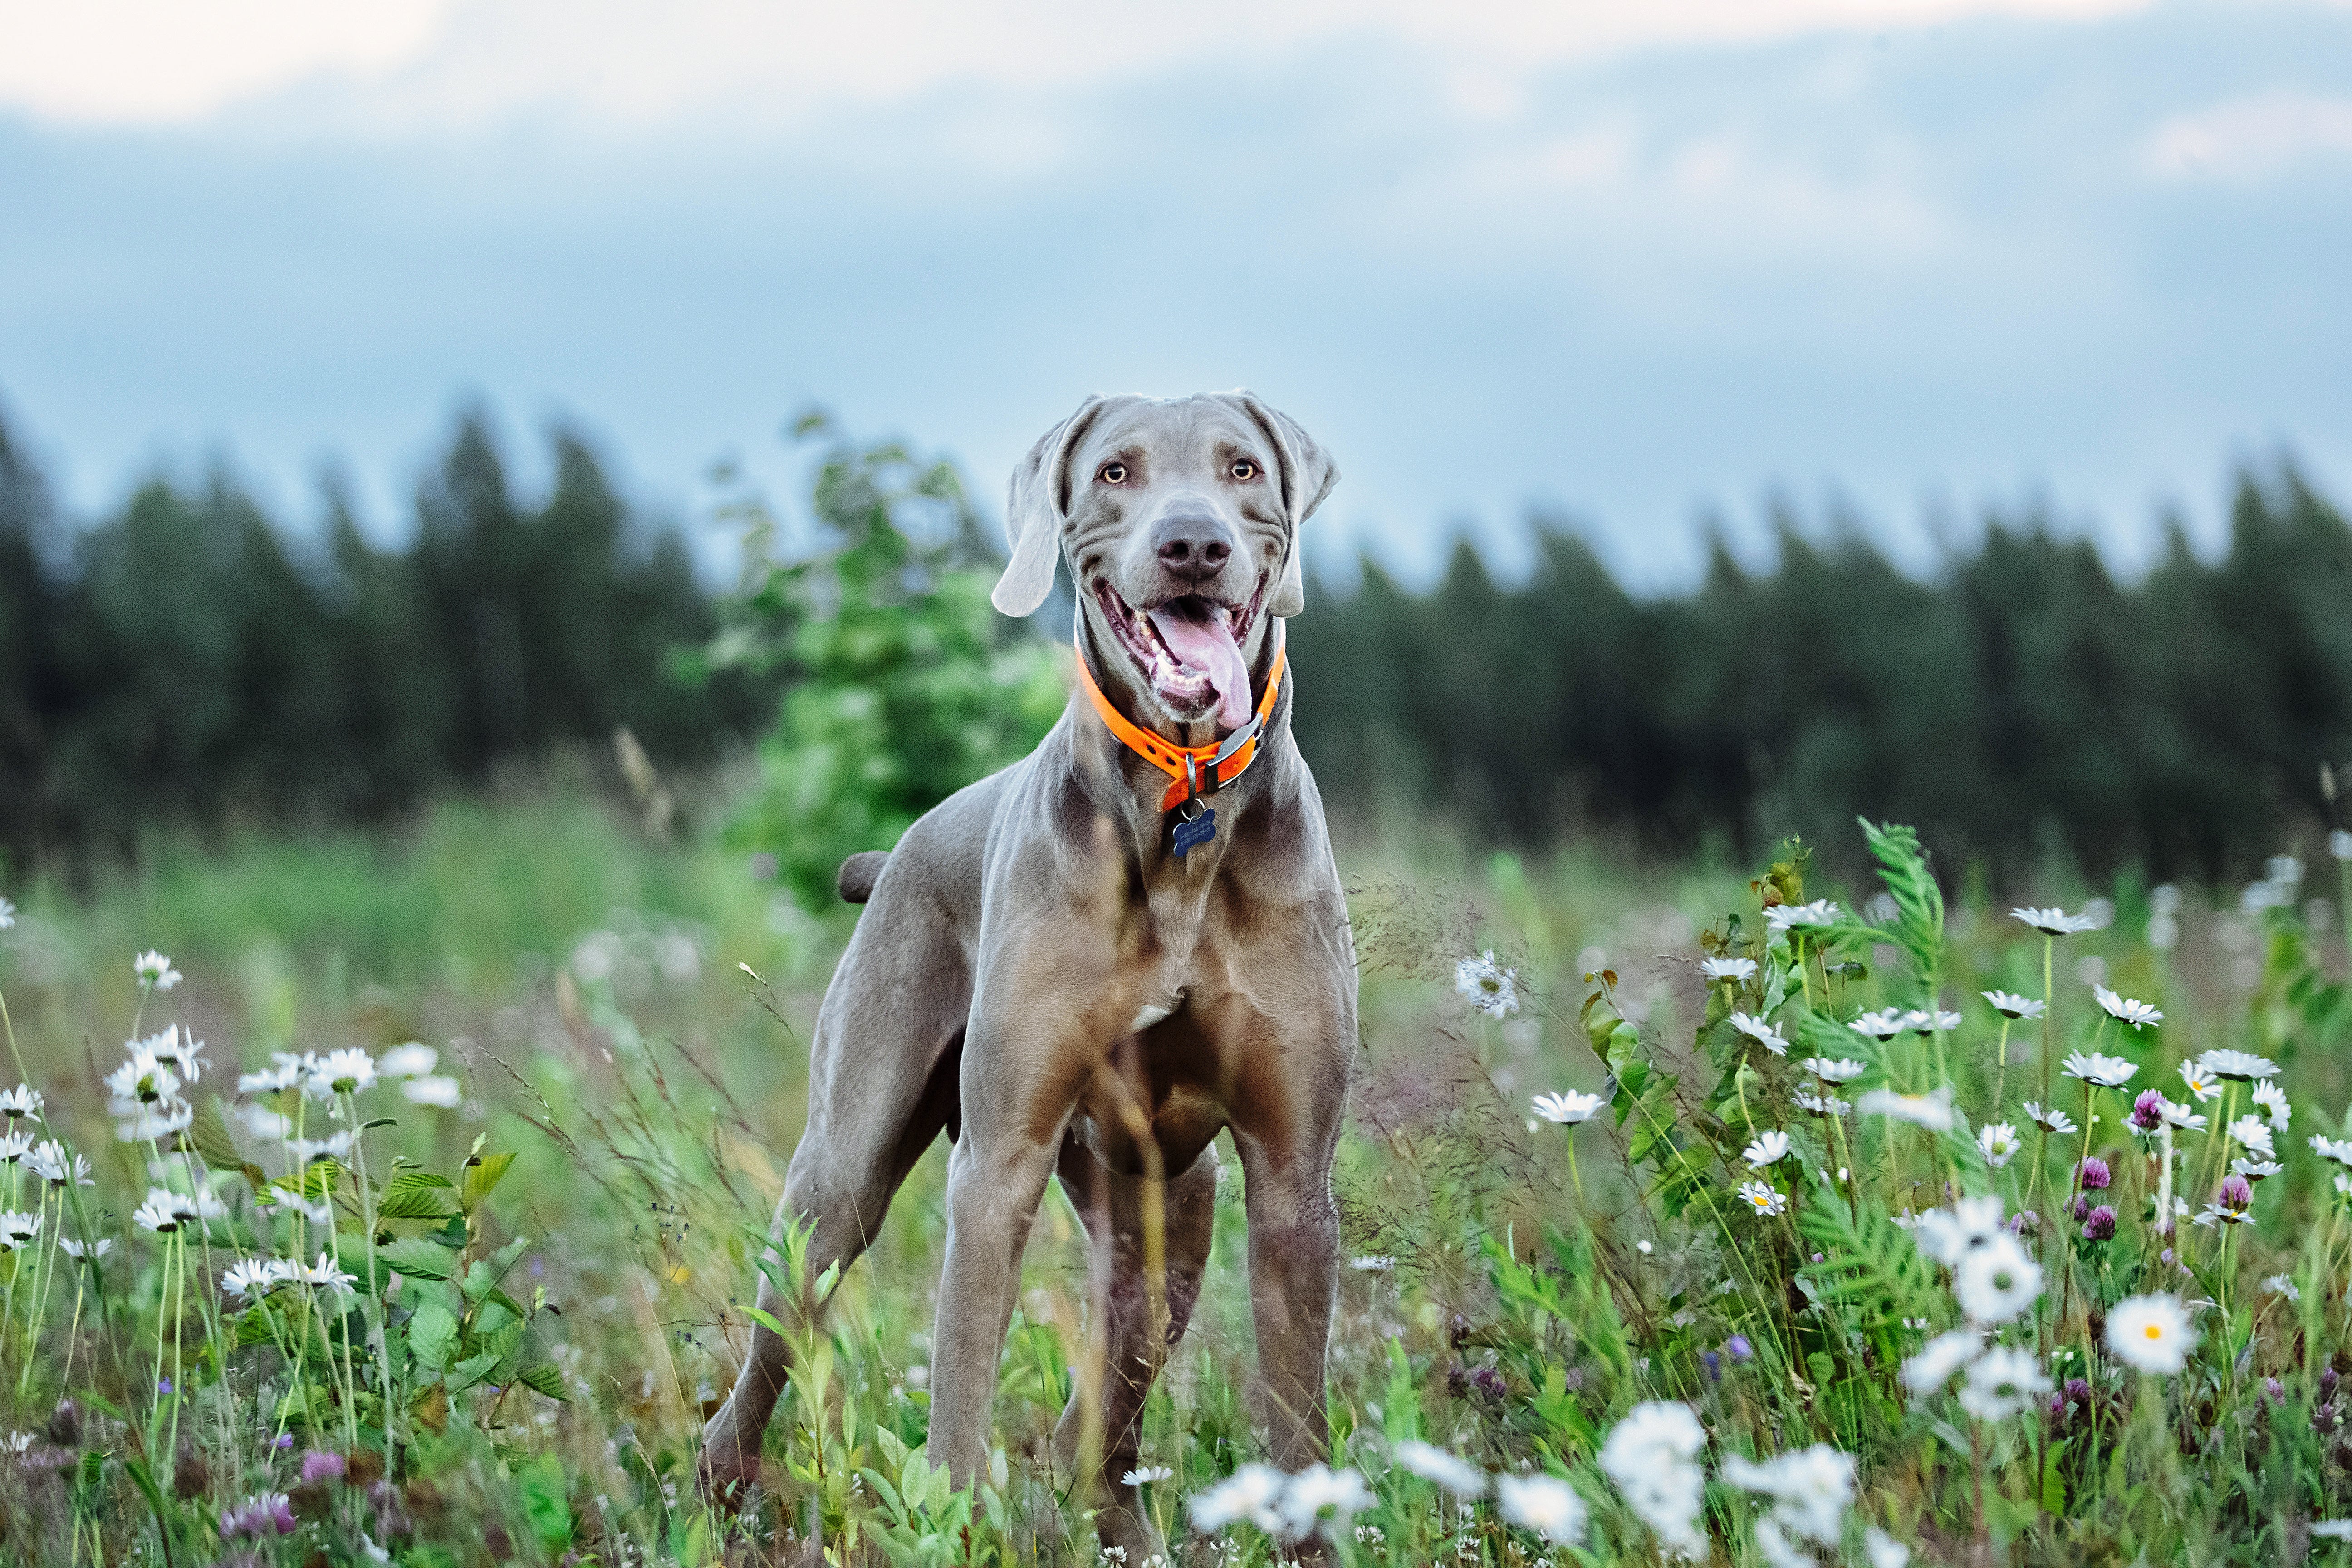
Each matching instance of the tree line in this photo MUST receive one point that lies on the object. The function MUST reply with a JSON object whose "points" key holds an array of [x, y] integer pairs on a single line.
{"points": [[185, 663], [2021, 705]]}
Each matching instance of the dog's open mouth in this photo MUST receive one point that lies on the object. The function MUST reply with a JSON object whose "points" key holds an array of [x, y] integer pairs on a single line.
{"points": [[1190, 649]]}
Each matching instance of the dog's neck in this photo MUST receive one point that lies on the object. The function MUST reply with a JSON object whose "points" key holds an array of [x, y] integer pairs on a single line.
{"points": [[1132, 789]]}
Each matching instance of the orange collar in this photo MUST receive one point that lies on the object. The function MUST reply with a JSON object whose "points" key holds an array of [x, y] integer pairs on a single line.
{"points": [[1195, 769]]}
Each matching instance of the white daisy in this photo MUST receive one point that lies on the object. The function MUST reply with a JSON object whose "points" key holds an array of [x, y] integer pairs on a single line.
{"points": [[1810, 1489], [2151, 1333], [1999, 1143], [2050, 1119], [2272, 1099], [1739, 971], [1568, 1110], [155, 1217], [437, 1089], [1941, 1357], [1431, 1463], [2054, 921], [326, 1272], [1251, 1495], [2202, 1085], [1881, 1026], [2336, 1149], [1932, 1110], [1786, 917], [53, 1165], [1997, 1280], [2243, 1065], [346, 1071], [2254, 1133], [1822, 1104], [1648, 1457], [1767, 1148], [1933, 1022], [2256, 1170], [2280, 1285], [1947, 1236], [22, 1100], [250, 1278], [286, 1071], [1543, 1504], [1840, 1071], [2184, 1118], [152, 969], [14, 1146], [2107, 1072], [2002, 1382], [18, 1229], [143, 1078], [154, 1123], [1318, 1495], [92, 1250], [2124, 1010], [1763, 1033], [1762, 1199], [1492, 989], [2008, 1004], [183, 1052], [1146, 1475], [411, 1060]]}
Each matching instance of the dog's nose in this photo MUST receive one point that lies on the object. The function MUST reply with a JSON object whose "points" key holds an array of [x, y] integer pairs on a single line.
{"points": [[1193, 545]]}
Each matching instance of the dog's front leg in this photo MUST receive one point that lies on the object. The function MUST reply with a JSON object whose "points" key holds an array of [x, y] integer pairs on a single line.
{"points": [[1293, 1265], [996, 1178]]}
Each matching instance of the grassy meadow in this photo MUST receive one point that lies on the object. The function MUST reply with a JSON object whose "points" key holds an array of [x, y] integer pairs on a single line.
{"points": [[503, 1303]]}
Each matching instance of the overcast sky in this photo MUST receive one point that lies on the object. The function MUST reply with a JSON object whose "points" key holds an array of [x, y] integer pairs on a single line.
{"points": [[1635, 264]]}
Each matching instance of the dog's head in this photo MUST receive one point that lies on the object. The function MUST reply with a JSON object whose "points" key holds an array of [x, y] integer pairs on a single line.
{"points": [[1179, 518]]}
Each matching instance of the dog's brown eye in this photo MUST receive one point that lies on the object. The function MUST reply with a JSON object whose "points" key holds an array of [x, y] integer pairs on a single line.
{"points": [[1113, 474], [1245, 469]]}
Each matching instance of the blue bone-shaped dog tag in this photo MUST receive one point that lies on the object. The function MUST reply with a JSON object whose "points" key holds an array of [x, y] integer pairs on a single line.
{"points": [[1191, 835]]}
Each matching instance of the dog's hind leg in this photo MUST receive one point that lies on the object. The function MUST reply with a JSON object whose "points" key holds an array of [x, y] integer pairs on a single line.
{"points": [[874, 1107], [1112, 1204]]}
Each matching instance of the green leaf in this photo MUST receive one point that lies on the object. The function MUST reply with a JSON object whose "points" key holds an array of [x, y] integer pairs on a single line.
{"points": [[208, 1130], [1918, 928], [483, 1172], [415, 1255], [472, 1369], [417, 1195], [546, 1501], [1870, 1273], [545, 1378], [433, 1335]]}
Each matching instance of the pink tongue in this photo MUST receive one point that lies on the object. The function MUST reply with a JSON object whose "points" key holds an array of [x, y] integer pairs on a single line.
{"points": [[1207, 645]]}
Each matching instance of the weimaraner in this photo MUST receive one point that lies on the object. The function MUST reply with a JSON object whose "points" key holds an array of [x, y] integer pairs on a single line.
{"points": [[1048, 972]]}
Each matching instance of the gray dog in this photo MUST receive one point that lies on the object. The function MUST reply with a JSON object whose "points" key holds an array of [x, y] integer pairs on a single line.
{"points": [[1092, 962]]}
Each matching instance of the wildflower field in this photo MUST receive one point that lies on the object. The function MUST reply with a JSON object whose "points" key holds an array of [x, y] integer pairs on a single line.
{"points": [[403, 1202]]}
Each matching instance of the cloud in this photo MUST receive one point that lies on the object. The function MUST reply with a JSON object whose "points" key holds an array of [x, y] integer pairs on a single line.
{"points": [[2252, 139], [164, 61], [434, 64]]}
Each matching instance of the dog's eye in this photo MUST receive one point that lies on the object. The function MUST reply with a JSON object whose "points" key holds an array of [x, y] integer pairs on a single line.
{"points": [[1243, 469], [1113, 474]]}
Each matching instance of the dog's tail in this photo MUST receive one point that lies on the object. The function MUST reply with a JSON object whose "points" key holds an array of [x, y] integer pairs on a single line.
{"points": [[859, 873]]}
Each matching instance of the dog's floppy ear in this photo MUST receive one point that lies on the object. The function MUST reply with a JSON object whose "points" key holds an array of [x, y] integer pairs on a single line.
{"points": [[1307, 475], [1035, 503]]}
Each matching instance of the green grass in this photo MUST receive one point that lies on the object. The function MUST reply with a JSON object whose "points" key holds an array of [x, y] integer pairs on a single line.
{"points": [[1512, 1309]]}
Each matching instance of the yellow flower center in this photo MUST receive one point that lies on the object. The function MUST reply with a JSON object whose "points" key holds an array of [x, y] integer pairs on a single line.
{"points": [[2154, 1331]]}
